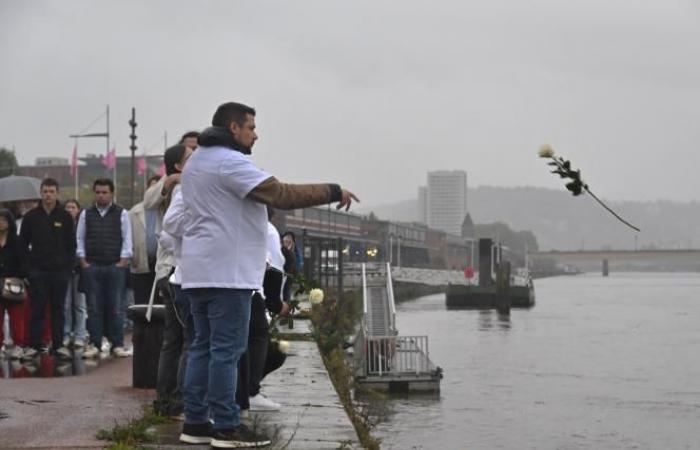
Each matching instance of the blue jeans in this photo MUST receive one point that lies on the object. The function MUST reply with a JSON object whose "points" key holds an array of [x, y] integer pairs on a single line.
{"points": [[221, 318], [103, 284], [76, 310]]}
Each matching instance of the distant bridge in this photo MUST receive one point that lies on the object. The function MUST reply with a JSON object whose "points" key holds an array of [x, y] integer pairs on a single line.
{"points": [[621, 255], [606, 256]]}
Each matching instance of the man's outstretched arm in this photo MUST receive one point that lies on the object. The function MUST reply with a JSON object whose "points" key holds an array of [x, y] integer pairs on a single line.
{"points": [[276, 194]]}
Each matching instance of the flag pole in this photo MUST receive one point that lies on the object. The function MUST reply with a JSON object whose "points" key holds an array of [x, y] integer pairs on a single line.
{"points": [[74, 162], [114, 169]]}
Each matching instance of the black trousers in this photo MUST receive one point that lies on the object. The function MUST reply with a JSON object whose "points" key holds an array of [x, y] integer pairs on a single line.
{"points": [[47, 287], [142, 283], [177, 338]]}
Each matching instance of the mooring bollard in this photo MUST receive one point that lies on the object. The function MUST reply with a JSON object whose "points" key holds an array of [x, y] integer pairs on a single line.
{"points": [[147, 339]]}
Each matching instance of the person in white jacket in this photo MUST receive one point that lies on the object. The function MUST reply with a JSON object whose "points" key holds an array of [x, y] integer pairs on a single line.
{"points": [[171, 363]]}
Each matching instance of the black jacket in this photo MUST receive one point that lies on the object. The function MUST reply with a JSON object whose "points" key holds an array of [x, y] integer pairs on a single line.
{"points": [[13, 261], [49, 238]]}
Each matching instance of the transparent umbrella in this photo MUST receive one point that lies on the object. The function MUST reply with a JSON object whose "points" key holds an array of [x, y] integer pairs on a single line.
{"points": [[14, 188]]}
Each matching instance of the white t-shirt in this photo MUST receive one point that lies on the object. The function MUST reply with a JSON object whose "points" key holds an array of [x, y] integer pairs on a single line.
{"points": [[224, 244], [274, 248]]}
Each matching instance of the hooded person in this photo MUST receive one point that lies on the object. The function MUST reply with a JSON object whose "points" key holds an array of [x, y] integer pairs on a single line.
{"points": [[13, 264]]}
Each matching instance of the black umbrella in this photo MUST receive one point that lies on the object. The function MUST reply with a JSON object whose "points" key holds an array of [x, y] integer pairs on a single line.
{"points": [[14, 188]]}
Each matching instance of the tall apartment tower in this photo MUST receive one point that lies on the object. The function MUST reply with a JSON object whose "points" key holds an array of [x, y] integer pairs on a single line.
{"points": [[423, 204], [447, 200]]}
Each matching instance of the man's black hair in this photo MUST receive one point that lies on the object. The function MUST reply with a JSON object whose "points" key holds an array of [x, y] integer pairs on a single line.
{"points": [[173, 156], [231, 112], [48, 182], [189, 134], [104, 182]]}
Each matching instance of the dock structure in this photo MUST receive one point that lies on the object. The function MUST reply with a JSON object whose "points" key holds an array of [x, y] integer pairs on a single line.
{"points": [[384, 360]]}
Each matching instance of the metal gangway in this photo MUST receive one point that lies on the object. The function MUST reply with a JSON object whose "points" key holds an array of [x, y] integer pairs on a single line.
{"points": [[383, 359]]}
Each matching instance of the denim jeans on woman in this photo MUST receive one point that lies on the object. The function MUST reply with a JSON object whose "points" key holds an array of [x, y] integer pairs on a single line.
{"points": [[75, 311], [221, 318], [104, 284]]}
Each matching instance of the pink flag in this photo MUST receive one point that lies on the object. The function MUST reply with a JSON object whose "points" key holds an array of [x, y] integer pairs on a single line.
{"points": [[161, 170], [74, 161], [141, 165], [109, 160]]}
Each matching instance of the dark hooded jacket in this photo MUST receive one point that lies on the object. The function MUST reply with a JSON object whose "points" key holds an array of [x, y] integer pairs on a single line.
{"points": [[13, 261]]}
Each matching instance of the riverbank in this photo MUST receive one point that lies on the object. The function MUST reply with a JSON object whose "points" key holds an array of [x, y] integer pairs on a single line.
{"points": [[312, 416]]}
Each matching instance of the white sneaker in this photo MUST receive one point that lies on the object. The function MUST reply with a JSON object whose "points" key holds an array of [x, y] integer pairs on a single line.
{"points": [[90, 351], [66, 341], [262, 403], [121, 352], [78, 343], [63, 352], [14, 352], [29, 353], [105, 345]]}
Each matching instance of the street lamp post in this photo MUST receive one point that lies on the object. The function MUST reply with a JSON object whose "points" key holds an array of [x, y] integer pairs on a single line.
{"points": [[132, 147]]}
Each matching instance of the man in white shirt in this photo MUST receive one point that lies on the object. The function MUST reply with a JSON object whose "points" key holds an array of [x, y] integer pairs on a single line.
{"points": [[104, 250], [223, 261]]}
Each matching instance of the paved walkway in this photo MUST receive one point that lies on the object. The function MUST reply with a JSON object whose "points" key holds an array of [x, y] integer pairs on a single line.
{"points": [[311, 417], [67, 413]]}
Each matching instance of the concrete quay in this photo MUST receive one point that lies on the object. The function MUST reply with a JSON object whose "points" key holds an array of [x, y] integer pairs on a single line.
{"points": [[311, 417], [67, 412]]}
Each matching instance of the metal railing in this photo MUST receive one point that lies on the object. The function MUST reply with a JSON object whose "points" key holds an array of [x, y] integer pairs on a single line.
{"points": [[390, 295], [393, 355]]}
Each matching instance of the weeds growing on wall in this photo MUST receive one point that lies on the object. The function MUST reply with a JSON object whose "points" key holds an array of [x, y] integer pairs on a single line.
{"points": [[334, 320]]}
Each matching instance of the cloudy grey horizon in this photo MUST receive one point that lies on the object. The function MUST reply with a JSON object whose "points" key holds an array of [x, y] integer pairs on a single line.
{"points": [[373, 94]]}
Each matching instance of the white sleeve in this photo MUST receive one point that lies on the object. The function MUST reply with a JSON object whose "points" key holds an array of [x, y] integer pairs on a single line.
{"points": [[240, 175], [127, 241], [174, 220], [80, 235]]}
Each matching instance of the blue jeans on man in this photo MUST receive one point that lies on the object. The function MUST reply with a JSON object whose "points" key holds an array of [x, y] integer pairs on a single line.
{"points": [[103, 284], [75, 310], [221, 318]]}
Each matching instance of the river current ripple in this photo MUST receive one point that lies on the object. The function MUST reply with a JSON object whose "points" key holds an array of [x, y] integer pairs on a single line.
{"points": [[598, 363]]}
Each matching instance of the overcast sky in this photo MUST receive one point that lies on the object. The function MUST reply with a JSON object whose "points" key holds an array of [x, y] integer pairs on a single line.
{"points": [[373, 94]]}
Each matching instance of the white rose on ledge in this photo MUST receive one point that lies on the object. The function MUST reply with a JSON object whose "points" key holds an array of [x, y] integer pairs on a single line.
{"points": [[283, 346], [316, 296]]}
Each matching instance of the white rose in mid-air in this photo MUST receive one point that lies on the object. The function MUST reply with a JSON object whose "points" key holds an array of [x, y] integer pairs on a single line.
{"points": [[546, 151], [283, 346], [316, 296]]}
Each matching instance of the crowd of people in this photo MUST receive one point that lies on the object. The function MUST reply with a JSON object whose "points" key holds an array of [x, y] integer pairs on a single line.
{"points": [[201, 241]]}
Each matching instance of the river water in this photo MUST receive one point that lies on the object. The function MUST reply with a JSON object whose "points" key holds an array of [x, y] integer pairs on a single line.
{"points": [[598, 363]]}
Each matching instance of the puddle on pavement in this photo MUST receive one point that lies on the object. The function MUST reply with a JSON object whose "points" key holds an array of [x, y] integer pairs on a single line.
{"points": [[48, 366]]}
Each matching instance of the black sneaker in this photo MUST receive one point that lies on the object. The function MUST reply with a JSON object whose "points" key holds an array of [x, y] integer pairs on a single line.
{"points": [[239, 437], [196, 433]]}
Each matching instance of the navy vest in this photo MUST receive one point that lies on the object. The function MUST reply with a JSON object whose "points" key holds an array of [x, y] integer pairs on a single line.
{"points": [[103, 235]]}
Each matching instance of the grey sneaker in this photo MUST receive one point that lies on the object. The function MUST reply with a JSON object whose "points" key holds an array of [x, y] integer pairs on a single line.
{"points": [[196, 433], [63, 352], [14, 352], [29, 353], [121, 352], [238, 437], [90, 351]]}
